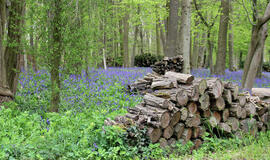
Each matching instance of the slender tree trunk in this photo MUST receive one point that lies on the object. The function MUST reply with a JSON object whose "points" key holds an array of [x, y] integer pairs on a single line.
{"points": [[210, 52], [163, 38], [56, 26], [184, 45], [158, 37], [141, 37], [222, 38], [125, 40], [171, 41], [202, 51], [134, 45], [231, 50], [195, 52]]}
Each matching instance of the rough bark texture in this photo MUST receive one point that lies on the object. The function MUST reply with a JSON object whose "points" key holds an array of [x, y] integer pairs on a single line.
{"points": [[222, 38], [184, 37], [125, 40], [170, 50]]}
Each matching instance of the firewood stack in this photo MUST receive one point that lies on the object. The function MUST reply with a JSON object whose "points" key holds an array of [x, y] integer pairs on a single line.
{"points": [[169, 64], [181, 107]]}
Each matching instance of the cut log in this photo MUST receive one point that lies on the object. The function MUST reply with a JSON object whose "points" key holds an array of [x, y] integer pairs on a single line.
{"points": [[218, 104], [181, 78], [192, 91], [215, 87], [213, 121], [262, 93], [233, 123], [207, 113], [242, 100], [167, 94], [178, 130], [176, 115], [204, 101], [182, 97], [187, 134], [193, 122], [225, 115], [161, 116], [235, 110], [192, 107], [154, 101], [109, 122], [224, 127], [184, 114], [132, 116], [234, 88], [202, 85], [217, 116], [164, 84], [227, 95], [243, 113], [154, 134], [163, 142], [168, 132], [251, 109]]}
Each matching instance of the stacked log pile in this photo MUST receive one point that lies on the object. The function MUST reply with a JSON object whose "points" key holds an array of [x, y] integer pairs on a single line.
{"points": [[180, 107], [169, 64]]}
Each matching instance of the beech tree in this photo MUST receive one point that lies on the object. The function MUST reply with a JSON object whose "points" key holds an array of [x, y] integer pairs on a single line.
{"points": [[253, 59], [222, 38]]}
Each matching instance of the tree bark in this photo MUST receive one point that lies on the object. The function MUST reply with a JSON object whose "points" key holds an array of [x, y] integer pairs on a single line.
{"points": [[13, 51], [57, 48], [231, 50], [184, 45], [222, 38], [252, 63], [195, 51], [170, 50]]}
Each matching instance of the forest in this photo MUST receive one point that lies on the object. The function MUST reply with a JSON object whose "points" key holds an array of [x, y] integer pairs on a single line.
{"points": [[134, 79]]}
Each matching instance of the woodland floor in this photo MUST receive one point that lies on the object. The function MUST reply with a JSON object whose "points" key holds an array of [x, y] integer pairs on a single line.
{"points": [[28, 131]]}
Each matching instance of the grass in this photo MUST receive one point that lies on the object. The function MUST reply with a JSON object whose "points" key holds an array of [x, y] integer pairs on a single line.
{"points": [[29, 132]]}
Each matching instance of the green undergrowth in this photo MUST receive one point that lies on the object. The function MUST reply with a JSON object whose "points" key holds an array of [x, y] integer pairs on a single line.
{"points": [[77, 132]]}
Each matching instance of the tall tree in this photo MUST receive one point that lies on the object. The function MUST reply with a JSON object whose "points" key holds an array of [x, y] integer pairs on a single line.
{"points": [[253, 59], [231, 50], [222, 38], [56, 27], [184, 43], [171, 41], [209, 25]]}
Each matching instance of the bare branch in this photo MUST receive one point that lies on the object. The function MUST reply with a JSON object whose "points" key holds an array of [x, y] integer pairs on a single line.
{"points": [[200, 14], [247, 13]]}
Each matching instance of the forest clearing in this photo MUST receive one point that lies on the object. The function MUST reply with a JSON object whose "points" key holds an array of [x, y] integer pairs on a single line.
{"points": [[134, 79]]}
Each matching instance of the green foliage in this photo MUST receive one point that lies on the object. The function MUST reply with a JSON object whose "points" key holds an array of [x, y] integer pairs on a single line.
{"points": [[146, 60], [266, 66]]}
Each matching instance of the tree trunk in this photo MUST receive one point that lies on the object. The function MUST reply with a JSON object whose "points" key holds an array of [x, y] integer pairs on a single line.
{"points": [[163, 38], [158, 34], [222, 38], [231, 50], [12, 52], [195, 52], [202, 51], [171, 41], [57, 48], [184, 45], [125, 39], [259, 35]]}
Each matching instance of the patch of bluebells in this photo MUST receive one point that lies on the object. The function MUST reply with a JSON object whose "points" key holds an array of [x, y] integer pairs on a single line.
{"points": [[79, 91], [235, 77]]}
